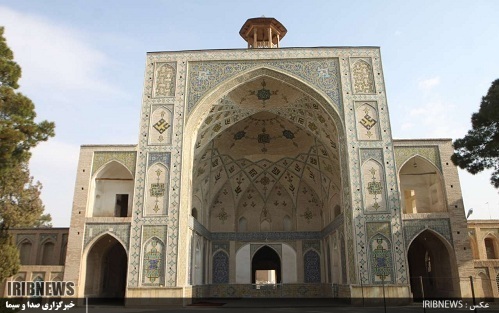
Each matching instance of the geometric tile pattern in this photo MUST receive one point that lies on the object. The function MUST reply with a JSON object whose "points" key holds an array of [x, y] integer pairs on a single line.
{"points": [[375, 154], [156, 202], [120, 231], [161, 157], [322, 73], [311, 244], [50, 237], [224, 245], [367, 121], [431, 153], [220, 268], [369, 88], [153, 262], [362, 76], [412, 228], [161, 122], [381, 260], [164, 80], [312, 267], [127, 159], [374, 187]]}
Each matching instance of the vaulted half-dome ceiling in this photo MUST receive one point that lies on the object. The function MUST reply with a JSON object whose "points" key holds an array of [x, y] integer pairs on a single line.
{"points": [[266, 147]]}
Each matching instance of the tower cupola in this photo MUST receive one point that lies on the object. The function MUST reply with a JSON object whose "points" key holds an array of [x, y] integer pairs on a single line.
{"points": [[262, 32]]}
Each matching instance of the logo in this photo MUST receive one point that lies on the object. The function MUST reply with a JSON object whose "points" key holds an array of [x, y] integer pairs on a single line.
{"points": [[40, 288]]}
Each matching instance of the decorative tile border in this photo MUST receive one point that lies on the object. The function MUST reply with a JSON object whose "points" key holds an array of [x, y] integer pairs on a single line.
{"points": [[412, 228], [120, 231]]}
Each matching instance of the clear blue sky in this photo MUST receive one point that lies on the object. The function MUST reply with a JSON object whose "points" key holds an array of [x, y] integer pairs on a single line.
{"points": [[83, 66]]}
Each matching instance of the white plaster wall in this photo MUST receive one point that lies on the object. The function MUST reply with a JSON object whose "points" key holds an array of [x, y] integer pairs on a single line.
{"points": [[288, 265], [243, 265], [105, 196]]}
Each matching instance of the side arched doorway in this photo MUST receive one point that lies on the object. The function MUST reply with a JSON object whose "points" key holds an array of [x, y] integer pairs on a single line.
{"points": [[430, 263], [106, 269], [266, 266]]}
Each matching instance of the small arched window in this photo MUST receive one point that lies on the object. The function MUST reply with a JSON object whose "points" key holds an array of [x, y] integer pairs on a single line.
{"points": [[243, 224], [489, 248], [25, 252], [47, 253]]}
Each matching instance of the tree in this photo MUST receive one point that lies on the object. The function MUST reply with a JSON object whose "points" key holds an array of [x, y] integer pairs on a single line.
{"points": [[20, 204], [479, 149]]}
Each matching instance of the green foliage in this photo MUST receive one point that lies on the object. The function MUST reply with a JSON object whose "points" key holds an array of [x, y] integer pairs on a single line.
{"points": [[10, 71], [20, 204], [479, 149], [9, 256]]}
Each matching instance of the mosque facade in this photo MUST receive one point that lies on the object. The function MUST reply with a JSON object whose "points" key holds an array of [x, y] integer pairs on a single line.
{"points": [[268, 172]]}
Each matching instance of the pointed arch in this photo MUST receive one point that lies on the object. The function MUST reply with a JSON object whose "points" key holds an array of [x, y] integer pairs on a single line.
{"points": [[431, 256], [485, 284], [242, 224], [421, 186], [97, 238], [25, 251], [153, 262], [435, 232], [266, 259], [105, 261], [221, 265], [490, 244], [312, 266], [380, 248], [158, 185], [46, 252], [373, 177]]}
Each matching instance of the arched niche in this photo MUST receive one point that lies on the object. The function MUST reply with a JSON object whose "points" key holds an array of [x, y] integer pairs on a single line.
{"points": [[266, 267], [367, 121], [158, 178], [160, 130], [198, 269], [220, 273], [228, 141], [432, 258], [153, 263], [25, 250], [363, 77], [490, 244], [112, 190], [485, 284], [312, 267], [373, 176], [105, 268], [421, 187], [242, 224], [47, 251]]}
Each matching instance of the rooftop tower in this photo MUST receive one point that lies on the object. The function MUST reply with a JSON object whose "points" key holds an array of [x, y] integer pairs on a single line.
{"points": [[262, 32]]}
